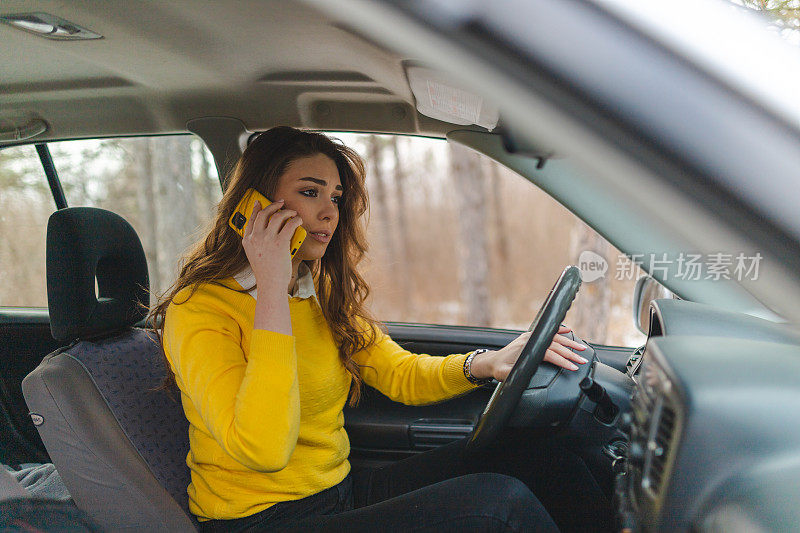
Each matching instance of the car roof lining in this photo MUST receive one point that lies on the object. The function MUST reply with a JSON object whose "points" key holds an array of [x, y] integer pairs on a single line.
{"points": [[161, 65]]}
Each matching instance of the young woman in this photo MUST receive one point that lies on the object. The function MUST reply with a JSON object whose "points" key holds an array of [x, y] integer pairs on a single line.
{"points": [[266, 349]]}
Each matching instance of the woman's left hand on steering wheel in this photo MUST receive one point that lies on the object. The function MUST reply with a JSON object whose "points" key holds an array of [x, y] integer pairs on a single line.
{"points": [[497, 364]]}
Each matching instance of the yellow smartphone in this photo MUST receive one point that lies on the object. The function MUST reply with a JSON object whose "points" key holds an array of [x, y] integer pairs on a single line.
{"points": [[244, 209]]}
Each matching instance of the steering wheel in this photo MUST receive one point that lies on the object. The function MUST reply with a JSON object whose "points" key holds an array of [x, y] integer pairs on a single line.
{"points": [[506, 395]]}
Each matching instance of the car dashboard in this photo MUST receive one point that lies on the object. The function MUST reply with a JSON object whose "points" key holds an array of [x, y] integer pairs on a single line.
{"points": [[714, 424]]}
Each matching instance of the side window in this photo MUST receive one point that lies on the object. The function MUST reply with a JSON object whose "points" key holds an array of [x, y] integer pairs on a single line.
{"points": [[25, 205], [457, 239], [165, 186]]}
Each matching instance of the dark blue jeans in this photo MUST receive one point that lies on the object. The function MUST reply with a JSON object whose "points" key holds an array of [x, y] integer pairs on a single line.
{"points": [[436, 491]]}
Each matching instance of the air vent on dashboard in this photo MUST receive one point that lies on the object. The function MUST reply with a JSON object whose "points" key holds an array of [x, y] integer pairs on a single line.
{"points": [[654, 431], [658, 446]]}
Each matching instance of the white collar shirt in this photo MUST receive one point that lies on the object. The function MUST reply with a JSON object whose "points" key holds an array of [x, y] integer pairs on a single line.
{"points": [[303, 288]]}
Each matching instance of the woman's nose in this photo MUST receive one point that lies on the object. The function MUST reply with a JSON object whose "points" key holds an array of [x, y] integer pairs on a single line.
{"points": [[328, 211]]}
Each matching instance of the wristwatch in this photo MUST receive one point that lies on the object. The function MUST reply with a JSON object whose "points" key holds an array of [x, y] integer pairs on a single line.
{"points": [[468, 368]]}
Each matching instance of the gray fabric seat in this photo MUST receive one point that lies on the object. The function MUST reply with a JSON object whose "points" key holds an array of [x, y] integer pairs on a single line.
{"points": [[41, 480], [22, 510], [118, 440], [10, 487]]}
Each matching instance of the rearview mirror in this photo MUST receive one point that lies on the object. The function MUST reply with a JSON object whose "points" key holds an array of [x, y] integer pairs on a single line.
{"points": [[647, 289]]}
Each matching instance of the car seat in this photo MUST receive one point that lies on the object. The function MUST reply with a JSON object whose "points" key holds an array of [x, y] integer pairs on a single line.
{"points": [[10, 487], [116, 436], [20, 511]]}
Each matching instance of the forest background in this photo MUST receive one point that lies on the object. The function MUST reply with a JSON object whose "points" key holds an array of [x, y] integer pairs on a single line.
{"points": [[455, 238]]}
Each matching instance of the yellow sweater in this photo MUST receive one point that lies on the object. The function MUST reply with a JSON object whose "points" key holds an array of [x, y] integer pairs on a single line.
{"points": [[265, 409]]}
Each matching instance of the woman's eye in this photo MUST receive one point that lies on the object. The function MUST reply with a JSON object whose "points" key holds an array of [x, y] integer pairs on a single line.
{"points": [[311, 193], [337, 200]]}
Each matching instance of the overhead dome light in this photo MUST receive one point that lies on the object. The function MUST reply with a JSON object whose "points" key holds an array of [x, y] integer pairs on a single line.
{"points": [[49, 26]]}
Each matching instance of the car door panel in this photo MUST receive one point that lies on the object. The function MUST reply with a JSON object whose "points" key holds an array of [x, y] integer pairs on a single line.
{"points": [[24, 340], [381, 430]]}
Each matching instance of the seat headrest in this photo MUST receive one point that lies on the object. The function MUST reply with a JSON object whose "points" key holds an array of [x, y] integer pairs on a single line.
{"points": [[84, 244]]}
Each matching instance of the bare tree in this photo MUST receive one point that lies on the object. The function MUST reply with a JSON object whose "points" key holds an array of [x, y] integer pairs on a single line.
{"points": [[592, 311], [404, 242], [143, 159], [380, 203], [209, 190], [468, 182], [498, 210], [175, 201]]}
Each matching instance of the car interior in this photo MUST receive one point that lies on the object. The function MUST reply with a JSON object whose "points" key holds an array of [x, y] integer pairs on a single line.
{"points": [[679, 434]]}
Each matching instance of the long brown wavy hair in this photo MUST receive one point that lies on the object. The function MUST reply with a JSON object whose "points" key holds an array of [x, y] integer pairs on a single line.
{"points": [[340, 287]]}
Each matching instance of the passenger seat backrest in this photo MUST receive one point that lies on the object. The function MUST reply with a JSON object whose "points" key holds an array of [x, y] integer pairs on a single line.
{"points": [[117, 438]]}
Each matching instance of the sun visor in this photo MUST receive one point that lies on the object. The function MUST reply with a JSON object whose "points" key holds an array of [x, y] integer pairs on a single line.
{"points": [[440, 98]]}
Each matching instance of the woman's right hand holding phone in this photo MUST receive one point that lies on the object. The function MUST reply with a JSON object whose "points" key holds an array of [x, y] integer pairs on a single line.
{"points": [[266, 243]]}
